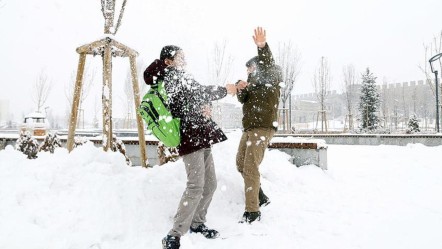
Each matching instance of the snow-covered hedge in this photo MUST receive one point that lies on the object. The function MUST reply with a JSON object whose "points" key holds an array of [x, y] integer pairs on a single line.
{"points": [[50, 142], [27, 144]]}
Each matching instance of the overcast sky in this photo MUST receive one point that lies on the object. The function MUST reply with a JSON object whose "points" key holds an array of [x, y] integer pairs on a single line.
{"points": [[36, 36]]}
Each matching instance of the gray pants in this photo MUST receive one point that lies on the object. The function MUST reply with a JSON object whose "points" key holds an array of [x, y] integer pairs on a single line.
{"points": [[201, 184]]}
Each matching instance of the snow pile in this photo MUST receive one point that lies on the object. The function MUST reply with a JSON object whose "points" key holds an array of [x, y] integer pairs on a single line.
{"points": [[371, 197]]}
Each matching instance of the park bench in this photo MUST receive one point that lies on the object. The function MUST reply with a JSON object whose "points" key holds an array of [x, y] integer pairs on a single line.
{"points": [[303, 151]]}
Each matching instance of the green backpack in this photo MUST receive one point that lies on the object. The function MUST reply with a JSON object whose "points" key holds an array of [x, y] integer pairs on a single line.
{"points": [[158, 118]]}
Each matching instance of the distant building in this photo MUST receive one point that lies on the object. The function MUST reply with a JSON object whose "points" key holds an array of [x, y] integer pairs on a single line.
{"points": [[4, 111]]}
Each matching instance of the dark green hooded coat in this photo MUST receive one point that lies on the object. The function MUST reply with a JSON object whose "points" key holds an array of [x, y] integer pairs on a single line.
{"points": [[260, 98]]}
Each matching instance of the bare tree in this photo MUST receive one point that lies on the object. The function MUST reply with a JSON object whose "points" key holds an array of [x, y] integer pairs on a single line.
{"points": [[405, 105], [435, 47], [288, 59], [219, 67], [96, 112], [321, 84], [42, 88], [349, 76], [384, 103], [220, 64], [89, 77], [128, 102]]}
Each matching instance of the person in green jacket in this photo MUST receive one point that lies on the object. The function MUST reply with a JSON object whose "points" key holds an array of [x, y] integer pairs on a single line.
{"points": [[260, 99]]}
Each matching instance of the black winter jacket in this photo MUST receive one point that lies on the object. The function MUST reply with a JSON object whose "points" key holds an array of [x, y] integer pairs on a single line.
{"points": [[186, 98], [260, 98]]}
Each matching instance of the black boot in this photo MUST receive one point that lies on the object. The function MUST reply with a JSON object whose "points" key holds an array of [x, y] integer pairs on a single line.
{"points": [[263, 199], [171, 242], [250, 217], [208, 233]]}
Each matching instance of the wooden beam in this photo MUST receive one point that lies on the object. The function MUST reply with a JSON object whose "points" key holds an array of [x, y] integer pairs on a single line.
{"points": [[123, 47], [140, 125], [120, 53], [76, 102], [89, 48]]}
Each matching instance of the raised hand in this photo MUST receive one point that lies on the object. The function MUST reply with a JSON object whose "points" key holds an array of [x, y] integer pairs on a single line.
{"points": [[260, 37]]}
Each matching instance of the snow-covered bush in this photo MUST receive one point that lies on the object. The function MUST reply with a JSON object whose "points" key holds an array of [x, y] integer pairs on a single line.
{"points": [[118, 145], [50, 142], [27, 144], [79, 141], [413, 125]]}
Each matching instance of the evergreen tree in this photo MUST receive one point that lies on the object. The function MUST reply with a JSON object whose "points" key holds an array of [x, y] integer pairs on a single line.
{"points": [[369, 103], [413, 124]]}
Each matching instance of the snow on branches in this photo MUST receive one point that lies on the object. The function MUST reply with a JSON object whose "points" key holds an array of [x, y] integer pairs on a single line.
{"points": [[27, 144], [50, 142], [369, 103]]}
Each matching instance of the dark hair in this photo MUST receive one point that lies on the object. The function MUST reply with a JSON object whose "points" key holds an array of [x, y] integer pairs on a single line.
{"points": [[154, 72], [168, 52], [252, 61]]}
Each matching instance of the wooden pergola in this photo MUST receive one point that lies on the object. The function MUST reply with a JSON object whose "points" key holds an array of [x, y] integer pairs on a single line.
{"points": [[107, 48]]}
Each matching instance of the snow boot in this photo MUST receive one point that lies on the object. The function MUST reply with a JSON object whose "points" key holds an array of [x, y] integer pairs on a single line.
{"points": [[208, 233], [250, 217], [171, 242], [263, 199]]}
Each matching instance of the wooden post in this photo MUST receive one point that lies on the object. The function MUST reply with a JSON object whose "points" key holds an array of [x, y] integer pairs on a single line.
{"points": [[76, 102], [141, 138], [107, 97], [104, 47]]}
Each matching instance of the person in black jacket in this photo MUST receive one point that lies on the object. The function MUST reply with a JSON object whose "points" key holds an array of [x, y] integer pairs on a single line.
{"points": [[191, 102]]}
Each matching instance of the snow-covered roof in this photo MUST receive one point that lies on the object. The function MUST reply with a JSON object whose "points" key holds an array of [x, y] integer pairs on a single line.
{"points": [[35, 115]]}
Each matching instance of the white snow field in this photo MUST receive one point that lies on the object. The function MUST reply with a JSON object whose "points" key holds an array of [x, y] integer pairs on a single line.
{"points": [[370, 197]]}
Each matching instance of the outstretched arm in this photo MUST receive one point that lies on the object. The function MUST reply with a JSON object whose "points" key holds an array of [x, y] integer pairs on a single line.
{"points": [[264, 54], [260, 37]]}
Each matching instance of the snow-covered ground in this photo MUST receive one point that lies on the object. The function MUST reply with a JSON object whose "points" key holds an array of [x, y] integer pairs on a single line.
{"points": [[371, 197]]}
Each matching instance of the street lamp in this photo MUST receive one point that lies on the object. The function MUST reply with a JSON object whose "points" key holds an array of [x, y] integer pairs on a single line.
{"points": [[433, 70]]}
